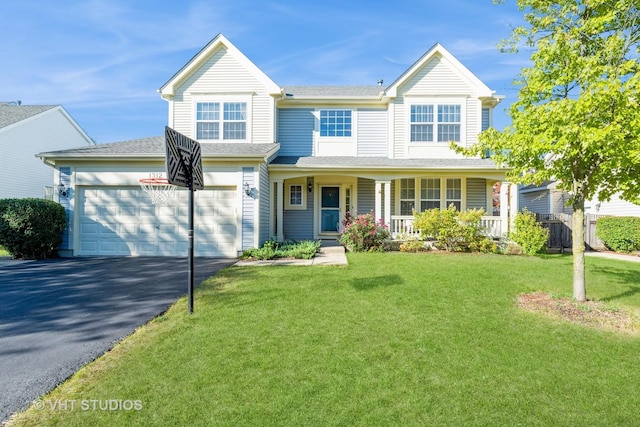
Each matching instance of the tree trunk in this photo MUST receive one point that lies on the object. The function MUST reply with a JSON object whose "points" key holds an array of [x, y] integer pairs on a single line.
{"points": [[577, 234]]}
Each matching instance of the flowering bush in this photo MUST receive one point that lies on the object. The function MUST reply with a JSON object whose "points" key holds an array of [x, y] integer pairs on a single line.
{"points": [[454, 231], [363, 233]]}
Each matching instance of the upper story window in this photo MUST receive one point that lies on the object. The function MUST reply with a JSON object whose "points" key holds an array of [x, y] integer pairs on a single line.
{"points": [[335, 123], [221, 120], [435, 122]]}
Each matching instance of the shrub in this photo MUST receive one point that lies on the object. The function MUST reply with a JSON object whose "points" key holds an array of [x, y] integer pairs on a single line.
{"points": [[363, 233], [530, 236], [619, 233], [31, 228], [414, 246], [271, 249], [454, 231]]}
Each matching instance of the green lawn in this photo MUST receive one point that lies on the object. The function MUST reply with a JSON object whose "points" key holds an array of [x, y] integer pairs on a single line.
{"points": [[3, 251], [392, 339]]}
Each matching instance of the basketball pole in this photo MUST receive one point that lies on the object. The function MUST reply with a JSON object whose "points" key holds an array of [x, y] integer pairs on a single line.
{"points": [[190, 181]]}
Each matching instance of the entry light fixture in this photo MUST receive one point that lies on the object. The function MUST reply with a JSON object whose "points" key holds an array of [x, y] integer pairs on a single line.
{"points": [[247, 189], [62, 190]]}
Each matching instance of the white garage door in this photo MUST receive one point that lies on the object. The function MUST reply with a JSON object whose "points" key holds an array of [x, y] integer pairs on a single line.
{"points": [[123, 221]]}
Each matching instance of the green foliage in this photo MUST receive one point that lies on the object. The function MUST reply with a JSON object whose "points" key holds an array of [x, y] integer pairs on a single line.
{"points": [[271, 249], [364, 234], [577, 116], [621, 234], [454, 231], [529, 234], [414, 246], [31, 228]]}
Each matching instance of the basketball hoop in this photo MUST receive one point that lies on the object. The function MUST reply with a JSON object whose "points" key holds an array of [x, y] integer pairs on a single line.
{"points": [[158, 189]]}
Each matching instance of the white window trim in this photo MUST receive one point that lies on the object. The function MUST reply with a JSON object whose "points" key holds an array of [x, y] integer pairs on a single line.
{"points": [[462, 102], [287, 194], [336, 139], [443, 191], [221, 99]]}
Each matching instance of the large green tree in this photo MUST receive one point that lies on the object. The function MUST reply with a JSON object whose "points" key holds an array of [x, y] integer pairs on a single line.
{"points": [[577, 115]]}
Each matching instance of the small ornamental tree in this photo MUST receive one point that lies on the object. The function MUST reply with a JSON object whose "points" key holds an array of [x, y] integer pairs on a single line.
{"points": [[577, 116], [363, 233]]}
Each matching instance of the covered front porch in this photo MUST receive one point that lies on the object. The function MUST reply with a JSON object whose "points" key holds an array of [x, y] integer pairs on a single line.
{"points": [[311, 202]]}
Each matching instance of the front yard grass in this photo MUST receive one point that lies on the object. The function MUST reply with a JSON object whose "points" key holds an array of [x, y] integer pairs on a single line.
{"points": [[392, 339], [3, 251]]}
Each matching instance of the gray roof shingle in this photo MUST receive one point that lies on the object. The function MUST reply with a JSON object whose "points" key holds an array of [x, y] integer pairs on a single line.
{"points": [[333, 91], [10, 114], [155, 147]]}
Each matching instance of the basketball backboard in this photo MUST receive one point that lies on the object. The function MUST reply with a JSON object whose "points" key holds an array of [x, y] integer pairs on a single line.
{"points": [[184, 159]]}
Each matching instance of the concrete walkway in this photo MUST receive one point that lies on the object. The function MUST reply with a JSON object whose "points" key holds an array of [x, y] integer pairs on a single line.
{"points": [[613, 255], [328, 255]]}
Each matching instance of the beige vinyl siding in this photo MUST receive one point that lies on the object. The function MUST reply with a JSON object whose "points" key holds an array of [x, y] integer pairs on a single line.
{"points": [[399, 128], [474, 121], [437, 78], [223, 75], [372, 132]]}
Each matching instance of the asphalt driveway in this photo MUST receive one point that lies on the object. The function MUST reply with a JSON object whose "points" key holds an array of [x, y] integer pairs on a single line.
{"points": [[57, 315]]}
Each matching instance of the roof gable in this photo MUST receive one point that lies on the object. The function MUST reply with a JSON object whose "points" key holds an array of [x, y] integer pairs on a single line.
{"points": [[18, 115], [219, 42], [439, 53], [11, 114]]}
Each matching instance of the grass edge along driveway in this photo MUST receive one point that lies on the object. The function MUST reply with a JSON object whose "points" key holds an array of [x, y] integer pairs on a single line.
{"points": [[392, 339]]}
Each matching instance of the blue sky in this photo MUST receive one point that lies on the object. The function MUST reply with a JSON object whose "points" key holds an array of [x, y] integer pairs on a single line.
{"points": [[104, 60]]}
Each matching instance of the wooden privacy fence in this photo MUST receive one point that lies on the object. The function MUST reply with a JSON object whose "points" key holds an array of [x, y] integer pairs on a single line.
{"points": [[560, 226]]}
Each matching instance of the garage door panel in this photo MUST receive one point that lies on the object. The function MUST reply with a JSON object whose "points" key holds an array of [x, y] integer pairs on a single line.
{"points": [[124, 222]]}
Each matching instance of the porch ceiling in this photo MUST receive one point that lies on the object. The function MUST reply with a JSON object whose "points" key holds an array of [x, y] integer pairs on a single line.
{"points": [[346, 162]]}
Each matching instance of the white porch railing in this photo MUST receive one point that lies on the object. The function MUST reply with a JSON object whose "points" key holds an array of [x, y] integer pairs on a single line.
{"points": [[402, 226]]}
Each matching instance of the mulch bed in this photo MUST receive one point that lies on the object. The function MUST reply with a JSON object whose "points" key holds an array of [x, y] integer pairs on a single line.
{"points": [[589, 313]]}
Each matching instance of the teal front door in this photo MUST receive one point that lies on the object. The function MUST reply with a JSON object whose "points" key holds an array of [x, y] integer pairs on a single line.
{"points": [[329, 209]]}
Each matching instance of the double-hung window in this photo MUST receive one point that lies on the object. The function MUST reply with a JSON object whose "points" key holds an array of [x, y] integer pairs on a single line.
{"points": [[335, 123], [454, 193], [448, 123], [221, 121], [407, 196], [432, 122], [429, 194], [421, 123]]}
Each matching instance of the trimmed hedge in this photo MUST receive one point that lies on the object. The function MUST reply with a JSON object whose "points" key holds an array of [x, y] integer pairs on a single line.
{"points": [[619, 233], [31, 228]]}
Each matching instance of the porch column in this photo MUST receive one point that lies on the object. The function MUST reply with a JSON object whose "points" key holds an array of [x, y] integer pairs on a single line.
{"points": [[378, 206], [387, 203], [504, 206], [513, 203], [279, 210]]}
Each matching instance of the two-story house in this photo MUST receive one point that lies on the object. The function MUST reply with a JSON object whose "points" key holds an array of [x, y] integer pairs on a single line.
{"points": [[289, 162]]}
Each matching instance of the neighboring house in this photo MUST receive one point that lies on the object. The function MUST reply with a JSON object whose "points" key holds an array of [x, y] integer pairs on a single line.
{"points": [[548, 199], [26, 130], [545, 198], [287, 163]]}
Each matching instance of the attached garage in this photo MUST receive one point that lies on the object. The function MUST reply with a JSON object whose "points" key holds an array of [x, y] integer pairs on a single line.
{"points": [[123, 221]]}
